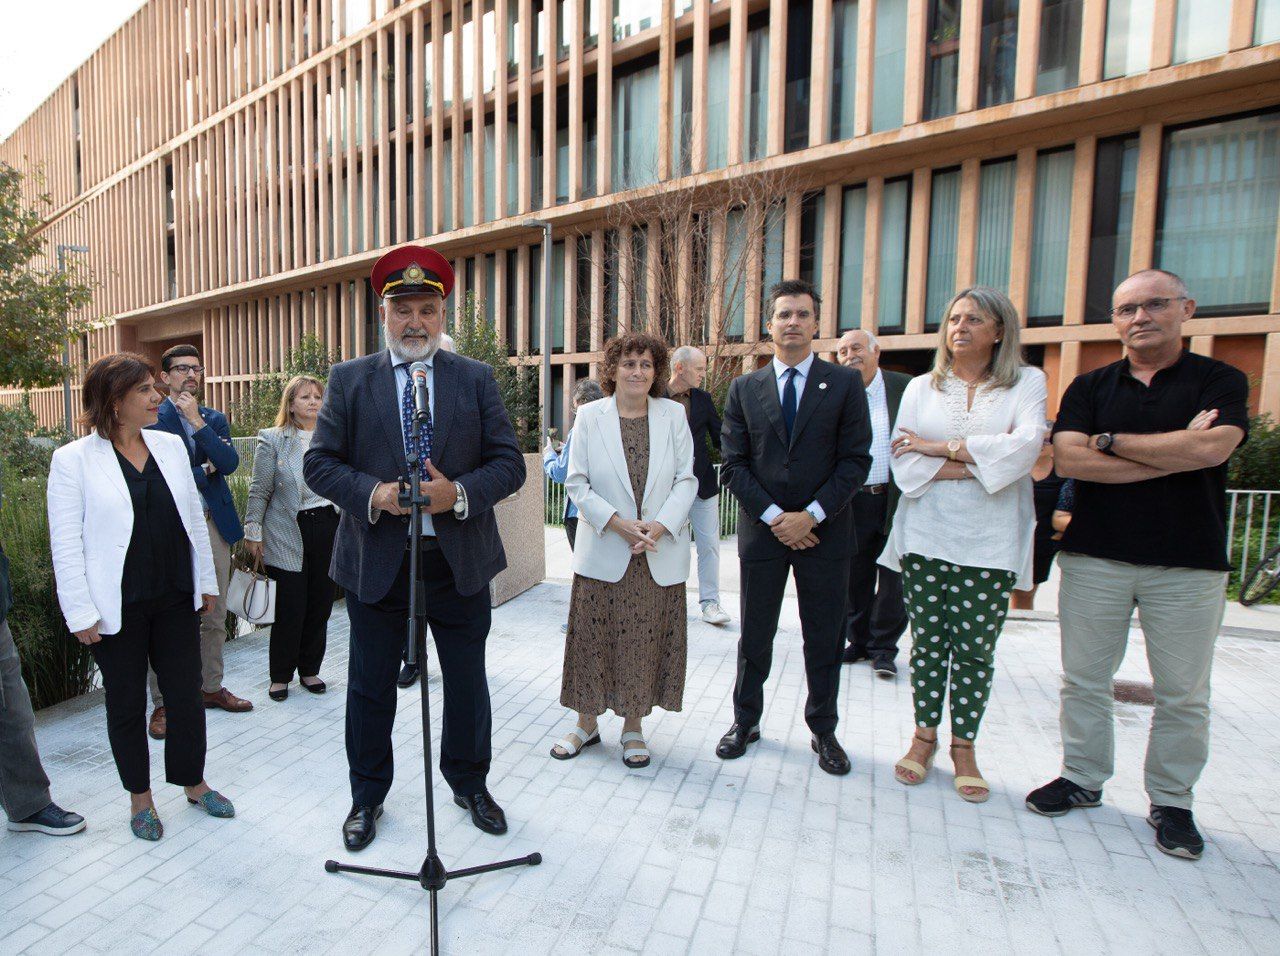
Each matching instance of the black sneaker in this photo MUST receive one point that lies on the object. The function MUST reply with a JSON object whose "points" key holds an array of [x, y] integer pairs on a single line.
{"points": [[885, 668], [1176, 832], [52, 820], [1056, 798]]}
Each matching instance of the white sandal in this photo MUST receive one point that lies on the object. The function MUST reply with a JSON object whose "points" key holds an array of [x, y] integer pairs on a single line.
{"points": [[637, 757], [574, 742]]}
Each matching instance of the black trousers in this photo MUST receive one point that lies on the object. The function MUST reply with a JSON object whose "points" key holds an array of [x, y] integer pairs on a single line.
{"points": [[164, 633], [459, 625], [876, 616], [821, 587], [304, 600], [571, 531]]}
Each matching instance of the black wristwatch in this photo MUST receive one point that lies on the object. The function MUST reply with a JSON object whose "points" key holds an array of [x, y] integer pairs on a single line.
{"points": [[1105, 442]]}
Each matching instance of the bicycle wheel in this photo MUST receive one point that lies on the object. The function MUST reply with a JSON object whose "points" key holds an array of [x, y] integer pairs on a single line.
{"points": [[1262, 579]]}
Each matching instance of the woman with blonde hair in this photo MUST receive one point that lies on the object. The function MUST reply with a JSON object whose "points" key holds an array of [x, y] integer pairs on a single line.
{"points": [[290, 529], [969, 434]]}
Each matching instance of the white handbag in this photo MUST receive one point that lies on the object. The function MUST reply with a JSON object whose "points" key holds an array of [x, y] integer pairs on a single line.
{"points": [[251, 595]]}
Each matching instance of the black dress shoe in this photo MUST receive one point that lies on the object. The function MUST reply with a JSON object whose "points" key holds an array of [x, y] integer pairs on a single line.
{"points": [[408, 675], [853, 655], [360, 827], [885, 668], [319, 687], [485, 812], [831, 756], [734, 744]]}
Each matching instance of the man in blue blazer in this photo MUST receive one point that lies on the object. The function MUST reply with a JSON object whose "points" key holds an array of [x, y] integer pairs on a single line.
{"points": [[359, 449], [208, 438]]}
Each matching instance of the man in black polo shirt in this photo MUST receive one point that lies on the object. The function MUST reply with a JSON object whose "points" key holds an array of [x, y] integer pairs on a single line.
{"points": [[1147, 440]]}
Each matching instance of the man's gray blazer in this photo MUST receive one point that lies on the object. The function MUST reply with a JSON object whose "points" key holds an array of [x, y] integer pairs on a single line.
{"points": [[358, 443]]}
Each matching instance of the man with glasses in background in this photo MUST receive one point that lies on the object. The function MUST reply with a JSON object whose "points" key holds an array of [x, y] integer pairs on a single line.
{"points": [[208, 439], [1147, 440]]}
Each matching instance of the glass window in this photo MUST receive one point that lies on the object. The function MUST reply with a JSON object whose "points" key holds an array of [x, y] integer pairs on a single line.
{"points": [[635, 125], [1201, 30], [771, 255], [944, 234], [755, 128], [1219, 200], [557, 296], [853, 230], [513, 161], [682, 115], [1050, 232], [535, 300], [635, 16], [509, 292], [639, 277], [890, 66], [468, 177], [735, 274], [534, 160], [490, 299], [942, 58], [895, 229], [582, 295], [812, 212], [718, 104], [447, 198], [562, 30], [995, 223], [1266, 28], [589, 145], [1129, 27], [844, 66], [610, 284], [490, 186], [796, 97], [1060, 25], [998, 63], [1115, 180], [562, 144], [590, 19]]}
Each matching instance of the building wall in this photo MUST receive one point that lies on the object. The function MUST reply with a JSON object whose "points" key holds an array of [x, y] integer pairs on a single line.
{"points": [[236, 166]]}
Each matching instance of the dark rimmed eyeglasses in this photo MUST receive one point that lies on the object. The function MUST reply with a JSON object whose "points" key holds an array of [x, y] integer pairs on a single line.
{"points": [[1151, 307]]}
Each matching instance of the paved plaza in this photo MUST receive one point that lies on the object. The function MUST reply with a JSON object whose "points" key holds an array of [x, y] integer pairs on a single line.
{"points": [[766, 854]]}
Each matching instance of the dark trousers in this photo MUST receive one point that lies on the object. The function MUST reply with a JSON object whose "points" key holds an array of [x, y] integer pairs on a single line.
{"points": [[876, 616], [821, 587], [164, 633], [571, 531], [304, 600], [459, 624], [24, 788]]}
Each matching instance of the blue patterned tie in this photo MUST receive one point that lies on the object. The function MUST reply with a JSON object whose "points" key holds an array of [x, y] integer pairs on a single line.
{"points": [[789, 400], [406, 422]]}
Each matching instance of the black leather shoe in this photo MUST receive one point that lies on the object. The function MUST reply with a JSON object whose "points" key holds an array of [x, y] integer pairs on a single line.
{"points": [[360, 827], [408, 675], [831, 756], [734, 744], [485, 812], [853, 655], [885, 668]]}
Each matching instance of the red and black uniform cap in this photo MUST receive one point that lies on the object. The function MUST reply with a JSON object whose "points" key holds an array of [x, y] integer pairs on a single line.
{"points": [[412, 270]]}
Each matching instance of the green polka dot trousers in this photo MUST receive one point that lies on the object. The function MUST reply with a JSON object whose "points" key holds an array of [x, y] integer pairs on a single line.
{"points": [[956, 615]]}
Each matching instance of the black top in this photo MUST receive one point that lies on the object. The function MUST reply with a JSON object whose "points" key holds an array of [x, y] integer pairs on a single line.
{"points": [[704, 423], [1044, 495], [1175, 521], [158, 561]]}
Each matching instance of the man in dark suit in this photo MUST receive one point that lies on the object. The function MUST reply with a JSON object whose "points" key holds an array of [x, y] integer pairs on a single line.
{"points": [[688, 369], [361, 443], [796, 443], [876, 616], [208, 438]]}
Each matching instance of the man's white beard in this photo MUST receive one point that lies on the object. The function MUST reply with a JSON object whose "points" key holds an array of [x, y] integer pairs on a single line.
{"points": [[412, 350]]}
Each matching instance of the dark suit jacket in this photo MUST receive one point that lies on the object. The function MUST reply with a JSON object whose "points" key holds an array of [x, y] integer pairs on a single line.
{"points": [[358, 443], [827, 459], [212, 444], [895, 383], [704, 423]]}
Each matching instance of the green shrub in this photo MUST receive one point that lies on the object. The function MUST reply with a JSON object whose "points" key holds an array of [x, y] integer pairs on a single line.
{"points": [[258, 408], [475, 337], [1255, 465]]}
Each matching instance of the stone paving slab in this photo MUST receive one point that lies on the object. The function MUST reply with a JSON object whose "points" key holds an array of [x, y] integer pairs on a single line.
{"points": [[766, 854]]}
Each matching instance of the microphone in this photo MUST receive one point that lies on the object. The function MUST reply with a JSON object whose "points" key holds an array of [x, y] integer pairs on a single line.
{"points": [[421, 407]]}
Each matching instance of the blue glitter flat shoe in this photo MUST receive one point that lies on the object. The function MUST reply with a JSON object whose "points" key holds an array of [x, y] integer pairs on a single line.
{"points": [[146, 825], [214, 804]]}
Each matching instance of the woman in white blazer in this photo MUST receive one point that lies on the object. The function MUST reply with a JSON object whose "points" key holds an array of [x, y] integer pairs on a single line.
{"points": [[631, 478], [134, 571]]}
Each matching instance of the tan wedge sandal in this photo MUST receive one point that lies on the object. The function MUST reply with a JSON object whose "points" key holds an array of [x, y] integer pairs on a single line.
{"points": [[906, 765], [973, 783]]}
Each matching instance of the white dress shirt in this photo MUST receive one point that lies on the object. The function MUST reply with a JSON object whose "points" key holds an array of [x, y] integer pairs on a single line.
{"points": [[881, 452], [985, 522], [802, 375]]}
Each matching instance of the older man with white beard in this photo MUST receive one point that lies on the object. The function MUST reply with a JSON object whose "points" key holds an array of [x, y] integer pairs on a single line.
{"points": [[362, 441]]}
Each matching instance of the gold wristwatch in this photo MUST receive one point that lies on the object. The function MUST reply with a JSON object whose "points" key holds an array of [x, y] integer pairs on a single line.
{"points": [[953, 447]]}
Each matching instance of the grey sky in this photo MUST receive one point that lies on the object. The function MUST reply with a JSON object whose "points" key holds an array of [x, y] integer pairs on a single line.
{"points": [[43, 41]]}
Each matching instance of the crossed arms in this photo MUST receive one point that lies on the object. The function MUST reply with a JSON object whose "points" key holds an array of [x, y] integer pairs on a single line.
{"points": [[1202, 444]]}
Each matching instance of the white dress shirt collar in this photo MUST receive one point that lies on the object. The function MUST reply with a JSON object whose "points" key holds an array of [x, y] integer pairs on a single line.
{"points": [[802, 368]]}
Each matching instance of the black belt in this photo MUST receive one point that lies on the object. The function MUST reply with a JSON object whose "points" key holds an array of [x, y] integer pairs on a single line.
{"points": [[881, 489], [323, 511], [426, 543]]}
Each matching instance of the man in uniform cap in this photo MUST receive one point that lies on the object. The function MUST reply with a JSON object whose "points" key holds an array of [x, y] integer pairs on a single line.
{"points": [[361, 443]]}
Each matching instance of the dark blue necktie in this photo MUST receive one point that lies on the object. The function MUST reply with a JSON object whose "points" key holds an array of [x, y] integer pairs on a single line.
{"points": [[789, 400], [406, 422]]}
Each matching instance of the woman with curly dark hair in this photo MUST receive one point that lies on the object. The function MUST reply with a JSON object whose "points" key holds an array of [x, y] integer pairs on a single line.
{"points": [[631, 478]]}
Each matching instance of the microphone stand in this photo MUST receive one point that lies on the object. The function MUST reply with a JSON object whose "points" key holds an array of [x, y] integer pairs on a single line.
{"points": [[433, 875]]}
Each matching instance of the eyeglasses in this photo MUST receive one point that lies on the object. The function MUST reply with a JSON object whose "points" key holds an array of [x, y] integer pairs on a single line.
{"points": [[1151, 307], [187, 369]]}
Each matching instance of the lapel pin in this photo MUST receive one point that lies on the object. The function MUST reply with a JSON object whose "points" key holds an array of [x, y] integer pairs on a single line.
{"points": [[822, 385]]}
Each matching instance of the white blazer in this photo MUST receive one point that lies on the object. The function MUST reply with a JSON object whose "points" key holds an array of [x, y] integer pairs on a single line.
{"points": [[91, 523], [599, 485]]}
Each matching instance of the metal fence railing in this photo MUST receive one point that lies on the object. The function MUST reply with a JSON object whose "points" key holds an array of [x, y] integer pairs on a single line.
{"points": [[1253, 526], [553, 499]]}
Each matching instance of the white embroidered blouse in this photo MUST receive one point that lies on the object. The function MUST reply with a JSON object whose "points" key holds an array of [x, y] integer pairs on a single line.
{"points": [[987, 521]]}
